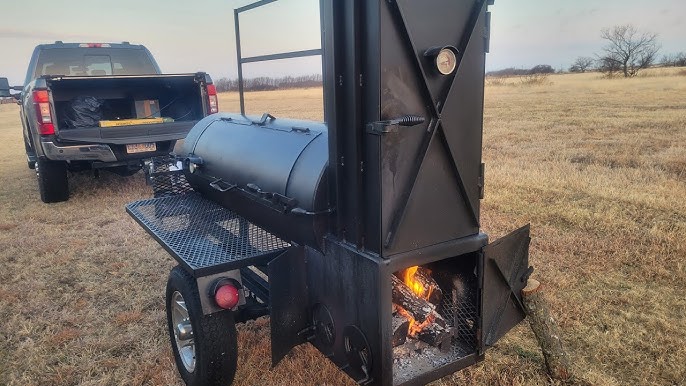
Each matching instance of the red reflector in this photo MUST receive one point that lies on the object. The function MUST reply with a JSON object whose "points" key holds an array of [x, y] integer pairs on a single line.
{"points": [[41, 96], [226, 296], [211, 90], [46, 128]]}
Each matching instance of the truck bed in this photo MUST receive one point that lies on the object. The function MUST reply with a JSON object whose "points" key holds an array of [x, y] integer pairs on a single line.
{"points": [[180, 99]]}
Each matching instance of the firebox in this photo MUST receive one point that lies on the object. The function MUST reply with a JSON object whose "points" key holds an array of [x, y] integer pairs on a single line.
{"points": [[360, 235]]}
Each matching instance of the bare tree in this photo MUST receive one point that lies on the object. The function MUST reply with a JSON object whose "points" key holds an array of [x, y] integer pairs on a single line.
{"points": [[674, 60], [680, 59], [628, 50], [582, 64], [608, 66]]}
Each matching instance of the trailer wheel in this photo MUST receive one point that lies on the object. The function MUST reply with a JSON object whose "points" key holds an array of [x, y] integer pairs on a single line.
{"points": [[205, 346], [52, 180]]}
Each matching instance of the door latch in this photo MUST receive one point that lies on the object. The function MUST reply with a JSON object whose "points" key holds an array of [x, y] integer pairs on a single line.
{"points": [[383, 127]]}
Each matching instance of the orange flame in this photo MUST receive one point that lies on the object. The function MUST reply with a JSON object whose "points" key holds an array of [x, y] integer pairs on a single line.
{"points": [[410, 281], [415, 328], [417, 287]]}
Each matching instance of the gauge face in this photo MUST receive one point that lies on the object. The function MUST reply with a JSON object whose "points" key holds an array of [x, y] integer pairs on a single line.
{"points": [[446, 61]]}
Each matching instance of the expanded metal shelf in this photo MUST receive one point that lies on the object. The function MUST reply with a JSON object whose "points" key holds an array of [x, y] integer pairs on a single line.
{"points": [[166, 177], [203, 236]]}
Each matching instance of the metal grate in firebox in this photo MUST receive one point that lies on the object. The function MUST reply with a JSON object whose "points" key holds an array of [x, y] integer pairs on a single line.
{"points": [[166, 177], [202, 234], [462, 317], [460, 312]]}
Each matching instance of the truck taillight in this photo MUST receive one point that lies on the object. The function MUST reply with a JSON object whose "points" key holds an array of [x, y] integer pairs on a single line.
{"points": [[212, 101], [41, 99]]}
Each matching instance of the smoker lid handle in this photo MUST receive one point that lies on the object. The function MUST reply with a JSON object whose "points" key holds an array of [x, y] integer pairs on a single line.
{"points": [[263, 120], [216, 185]]}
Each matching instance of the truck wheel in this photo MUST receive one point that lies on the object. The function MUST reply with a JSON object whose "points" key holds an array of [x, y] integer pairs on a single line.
{"points": [[205, 346], [52, 180]]}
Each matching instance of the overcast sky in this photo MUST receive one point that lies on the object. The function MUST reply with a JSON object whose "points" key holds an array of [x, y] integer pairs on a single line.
{"points": [[188, 36]]}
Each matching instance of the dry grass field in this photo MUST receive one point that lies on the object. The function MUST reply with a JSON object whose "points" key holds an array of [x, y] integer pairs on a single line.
{"points": [[597, 166]]}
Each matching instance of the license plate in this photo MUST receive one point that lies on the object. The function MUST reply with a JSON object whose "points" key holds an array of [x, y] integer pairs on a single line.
{"points": [[140, 147]]}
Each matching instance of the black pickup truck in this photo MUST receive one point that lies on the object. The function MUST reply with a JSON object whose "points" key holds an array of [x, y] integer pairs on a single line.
{"points": [[103, 105]]}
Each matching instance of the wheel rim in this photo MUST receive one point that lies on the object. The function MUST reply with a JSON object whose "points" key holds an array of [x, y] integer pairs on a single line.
{"points": [[183, 331]]}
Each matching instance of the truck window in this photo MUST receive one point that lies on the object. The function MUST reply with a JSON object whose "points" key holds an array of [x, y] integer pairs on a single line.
{"points": [[93, 62], [98, 65]]}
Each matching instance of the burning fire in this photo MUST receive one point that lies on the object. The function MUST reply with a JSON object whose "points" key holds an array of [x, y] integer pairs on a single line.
{"points": [[408, 277], [414, 284], [415, 328]]}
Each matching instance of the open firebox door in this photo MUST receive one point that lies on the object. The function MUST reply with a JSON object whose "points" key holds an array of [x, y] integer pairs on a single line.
{"points": [[506, 271]]}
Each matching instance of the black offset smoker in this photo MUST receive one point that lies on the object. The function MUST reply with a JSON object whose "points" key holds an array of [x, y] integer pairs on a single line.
{"points": [[360, 236]]}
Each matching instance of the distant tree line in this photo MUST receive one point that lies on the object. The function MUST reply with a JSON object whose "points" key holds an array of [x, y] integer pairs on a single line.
{"points": [[674, 60], [269, 83], [626, 52], [536, 70], [608, 66]]}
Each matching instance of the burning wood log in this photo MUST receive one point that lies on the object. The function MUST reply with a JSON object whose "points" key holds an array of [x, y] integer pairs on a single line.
{"points": [[403, 296], [424, 323], [400, 326], [437, 336], [430, 288]]}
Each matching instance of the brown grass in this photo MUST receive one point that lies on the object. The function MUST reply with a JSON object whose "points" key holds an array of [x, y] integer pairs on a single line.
{"points": [[597, 166]]}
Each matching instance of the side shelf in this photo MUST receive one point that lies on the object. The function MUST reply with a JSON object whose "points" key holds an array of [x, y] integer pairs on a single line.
{"points": [[204, 237]]}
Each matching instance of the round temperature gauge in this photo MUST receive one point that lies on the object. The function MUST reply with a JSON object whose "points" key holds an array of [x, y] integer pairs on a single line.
{"points": [[446, 61]]}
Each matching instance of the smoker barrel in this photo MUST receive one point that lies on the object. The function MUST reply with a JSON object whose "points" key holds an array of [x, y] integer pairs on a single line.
{"points": [[271, 171]]}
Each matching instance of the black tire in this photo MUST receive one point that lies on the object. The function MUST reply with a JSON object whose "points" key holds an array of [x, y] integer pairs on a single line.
{"points": [[214, 336], [52, 180], [31, 165]]}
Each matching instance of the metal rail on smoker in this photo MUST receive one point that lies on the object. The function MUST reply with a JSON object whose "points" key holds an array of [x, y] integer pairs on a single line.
{"points": [[204, 237], [262, 58]]}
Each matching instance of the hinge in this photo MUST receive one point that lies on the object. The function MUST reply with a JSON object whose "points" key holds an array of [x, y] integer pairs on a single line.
{"points": [[487, 33], [482, 180], [383, 127]]}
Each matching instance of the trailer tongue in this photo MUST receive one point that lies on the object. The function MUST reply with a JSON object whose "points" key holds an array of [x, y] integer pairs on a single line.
{"points": [[360, 236]]}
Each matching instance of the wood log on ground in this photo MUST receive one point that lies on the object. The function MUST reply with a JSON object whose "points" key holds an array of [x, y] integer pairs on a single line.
{"points": [[436, 336], [400, 326], [431, 288], [403, 296], [546, 330]]}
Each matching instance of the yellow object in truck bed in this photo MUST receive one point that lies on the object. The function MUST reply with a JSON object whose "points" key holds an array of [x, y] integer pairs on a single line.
{"points": [[129, 122]]}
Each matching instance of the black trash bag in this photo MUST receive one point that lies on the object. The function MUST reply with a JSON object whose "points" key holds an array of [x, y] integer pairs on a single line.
{"points": [[83, 111]]}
